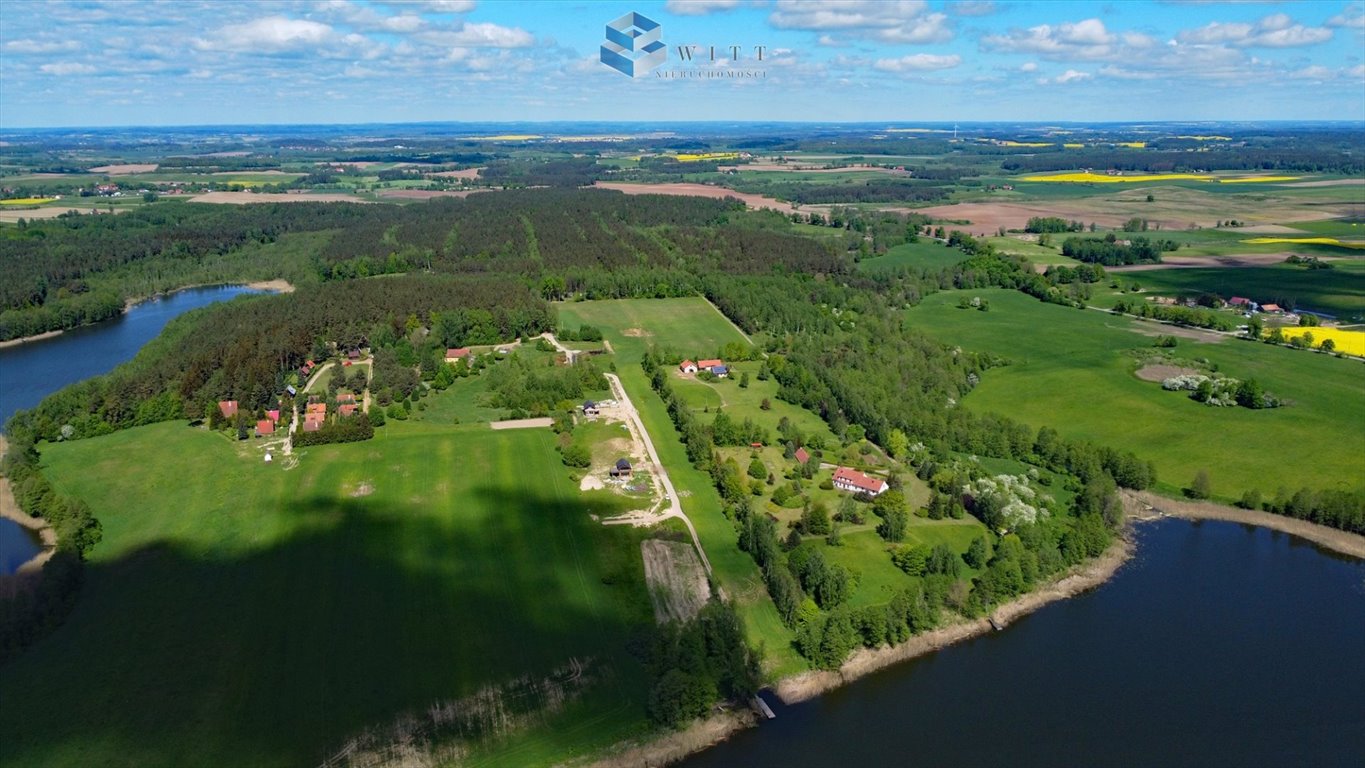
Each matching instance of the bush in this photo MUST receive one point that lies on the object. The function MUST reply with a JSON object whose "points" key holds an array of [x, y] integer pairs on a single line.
{"points": [[576, 455]]}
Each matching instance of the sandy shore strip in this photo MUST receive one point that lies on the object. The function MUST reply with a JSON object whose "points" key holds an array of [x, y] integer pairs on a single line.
{"points": [[1343, 542], [673, 747], [27, 339], [9, 509], [865, 661], [274, 286]]}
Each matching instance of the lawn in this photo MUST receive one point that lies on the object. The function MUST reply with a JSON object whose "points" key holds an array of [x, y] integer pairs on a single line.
{"points": [[691, 326], [1071, 369], [239, 613]]}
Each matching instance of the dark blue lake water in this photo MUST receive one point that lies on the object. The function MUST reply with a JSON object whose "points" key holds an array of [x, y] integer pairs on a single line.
{"points": [[32, 371], [1217, 645]]}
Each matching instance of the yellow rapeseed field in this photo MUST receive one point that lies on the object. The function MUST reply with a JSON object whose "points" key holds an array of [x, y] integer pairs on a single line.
{"points": [[1072, 146], [1350, 342], [1008, 143], [1305, 241], [1100, 178], [509, 137], [1133, 144], [688, 158], [1206, 138], [27, 200]]}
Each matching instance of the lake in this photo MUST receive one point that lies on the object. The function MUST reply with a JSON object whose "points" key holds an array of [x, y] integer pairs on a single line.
{"points": [[1218, 644], [29, 372]]}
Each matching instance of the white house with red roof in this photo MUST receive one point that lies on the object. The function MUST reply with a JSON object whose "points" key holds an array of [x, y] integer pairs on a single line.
{"points": [[853, 481], [688, 366], [456, 354]]}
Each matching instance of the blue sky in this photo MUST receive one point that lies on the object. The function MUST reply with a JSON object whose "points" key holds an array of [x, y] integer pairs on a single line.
{"points": [[126, 62]]}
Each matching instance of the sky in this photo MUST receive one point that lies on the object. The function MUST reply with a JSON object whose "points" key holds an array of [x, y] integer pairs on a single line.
{"points": [[184, 62]]}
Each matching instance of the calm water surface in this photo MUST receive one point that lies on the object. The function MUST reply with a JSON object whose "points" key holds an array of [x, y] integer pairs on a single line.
{"points": [[30, 372], [1218, 645]]}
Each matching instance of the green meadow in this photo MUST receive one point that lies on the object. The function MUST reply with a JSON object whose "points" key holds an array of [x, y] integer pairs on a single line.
{"points": [[926, 254], [1073, 370], [243, 613], [1339, 291]]}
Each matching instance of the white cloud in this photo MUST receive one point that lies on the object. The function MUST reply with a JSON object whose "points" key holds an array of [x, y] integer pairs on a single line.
{"points": [[272, 34], [64, 68], [891, 21], [1352, 17], [1277, 30], [1086, 40], [41, 46], [1071, 76], [448, 6], [489, 35], [699, 7], [972, 7], [1029, 66], [919, 62], [1357, 72]]}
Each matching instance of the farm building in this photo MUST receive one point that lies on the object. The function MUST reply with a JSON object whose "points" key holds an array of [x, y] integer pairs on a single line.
{"points": [[706, 365], [1241, 302], [590, 408], [802, 455], [353, 355], [228, 408], [1271, 308], [846, 479], [688, 366], [720, 370], [622, 468], [265, 427], [457, 354]]}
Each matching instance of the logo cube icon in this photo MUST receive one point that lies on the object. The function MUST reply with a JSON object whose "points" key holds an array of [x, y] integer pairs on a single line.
{"points": [[633, 47]]}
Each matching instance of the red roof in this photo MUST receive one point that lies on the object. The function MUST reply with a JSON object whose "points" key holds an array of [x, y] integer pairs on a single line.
{"points": [[685, 364], [265, 427], [228, 408], [1270, 308], [1238, 301], [458, 352], [345, 397], [312, 426], [273, 415], [317, 408], [802, 455], [348, 409], [859, 480], [709, 363]]}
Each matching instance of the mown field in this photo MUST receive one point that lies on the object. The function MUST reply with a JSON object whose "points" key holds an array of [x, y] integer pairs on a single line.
{"points": [[239, 613], [1073, 370]]}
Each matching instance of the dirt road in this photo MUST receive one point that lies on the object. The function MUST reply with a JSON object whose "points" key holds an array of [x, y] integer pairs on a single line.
{"points": [[657, 467]]}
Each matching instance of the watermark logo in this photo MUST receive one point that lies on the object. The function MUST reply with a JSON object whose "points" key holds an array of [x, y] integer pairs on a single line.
{"points": [[633, 46]]}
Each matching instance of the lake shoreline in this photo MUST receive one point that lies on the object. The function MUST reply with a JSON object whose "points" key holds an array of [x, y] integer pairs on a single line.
{"points": [[9, 510], [865, 661], [1145, 505], [272, 286]]}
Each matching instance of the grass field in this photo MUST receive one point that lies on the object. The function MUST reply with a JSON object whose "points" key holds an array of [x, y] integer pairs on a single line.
{"points": [[239, 613], [1071, 370], [926, 254], [690, 324], [1339, 291]]}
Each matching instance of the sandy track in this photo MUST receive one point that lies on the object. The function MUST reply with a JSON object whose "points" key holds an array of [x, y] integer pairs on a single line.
{"points": [[468, 173], [687, 189], [521, 423], [1146, 502], [1328, 183]]}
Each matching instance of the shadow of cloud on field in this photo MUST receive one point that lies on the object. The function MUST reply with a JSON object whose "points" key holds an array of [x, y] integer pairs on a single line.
{"points": [[176, 656]]}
